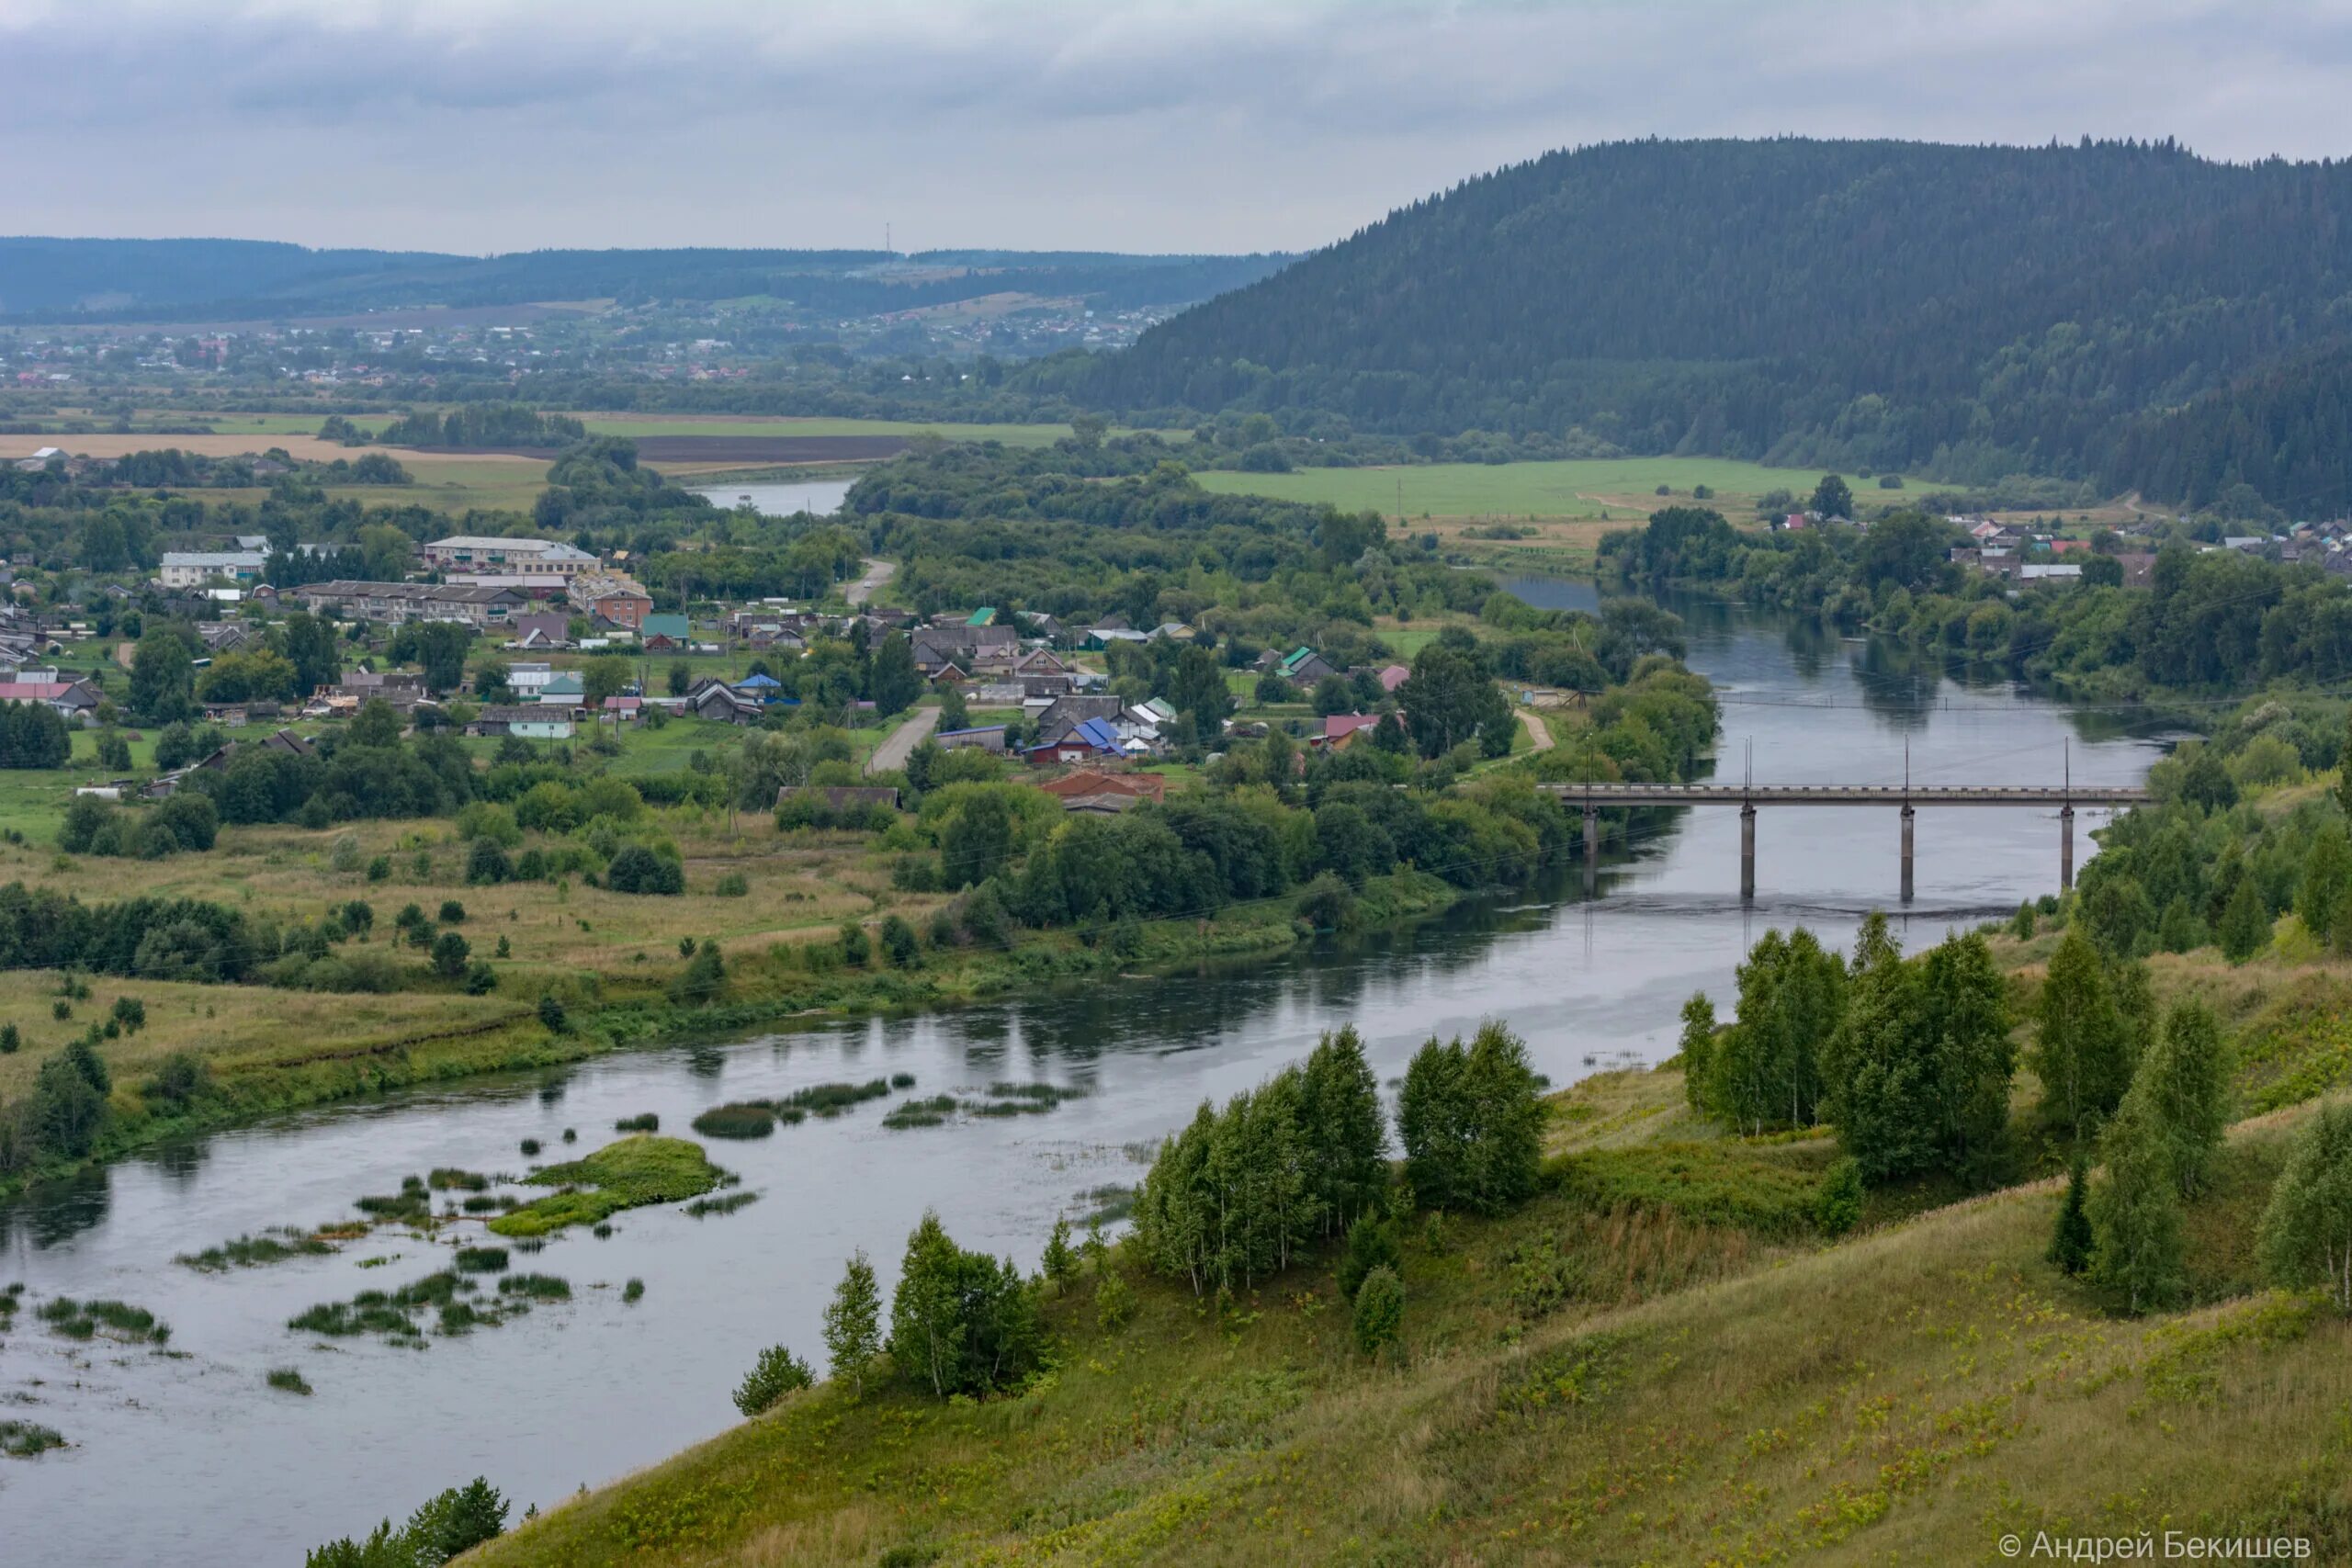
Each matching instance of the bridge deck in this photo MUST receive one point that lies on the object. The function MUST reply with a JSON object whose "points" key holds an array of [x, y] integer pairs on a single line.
{"points": [[1851, 794]]}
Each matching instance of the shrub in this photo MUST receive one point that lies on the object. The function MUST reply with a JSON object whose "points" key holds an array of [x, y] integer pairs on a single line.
{"points": [[637, 868], [1838, 1208], [742, 1119], [452, 912], [731, 885], [551, 1014], [776, 1374], [856, 948], [450, 952], [1115, 1301], [1379, 1316], [1372, 1244], [486, 862], [899, 943]]}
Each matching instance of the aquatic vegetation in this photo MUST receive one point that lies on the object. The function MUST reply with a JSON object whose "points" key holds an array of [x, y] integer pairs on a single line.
{"points": [[538, 1287], [922, 1113], [571, 1135], [643, 1121], [623, 1175], [1044, 1095], [453, 1299], [413, 1204], [288, 1379], [531, 1147], [702, 1207], [742, 1119], [604, 1230], [449, 1179], [257, 1251], [833, 1099], [491, 1202], [634, 1292], [119, 1320], [480, 1259], [22, 1440], [902, 1080]]}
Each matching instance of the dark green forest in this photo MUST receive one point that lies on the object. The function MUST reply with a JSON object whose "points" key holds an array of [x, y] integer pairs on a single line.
{"points": [[52, 279], [1968, 311]]}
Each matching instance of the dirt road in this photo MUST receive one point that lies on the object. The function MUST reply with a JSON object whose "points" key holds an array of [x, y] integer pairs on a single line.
{"points": [[877, 573], [901, 742]]}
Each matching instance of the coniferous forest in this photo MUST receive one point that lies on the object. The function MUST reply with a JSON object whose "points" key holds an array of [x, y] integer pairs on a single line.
{"points": [[2122, 312]]}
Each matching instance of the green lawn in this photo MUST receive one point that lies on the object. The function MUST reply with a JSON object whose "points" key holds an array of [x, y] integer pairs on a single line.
{"points": [[1624, 487]]}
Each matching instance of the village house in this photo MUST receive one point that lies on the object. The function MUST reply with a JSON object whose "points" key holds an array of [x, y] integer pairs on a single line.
{"points": [[936, 648], [986, 738], [665, 633], [526, 722], [536, 631], [391, 604], [1092, 789], [194, 568], [711, 698], [618, 601], [1340, 729], [71, 700], [476, 553]]}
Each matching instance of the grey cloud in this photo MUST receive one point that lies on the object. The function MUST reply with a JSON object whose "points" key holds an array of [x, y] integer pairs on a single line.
{"points": [[1153, 123]]}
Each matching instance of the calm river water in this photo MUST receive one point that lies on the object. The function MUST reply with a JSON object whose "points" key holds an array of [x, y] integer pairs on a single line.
{"points": [[782, 498], [191, 1460]]}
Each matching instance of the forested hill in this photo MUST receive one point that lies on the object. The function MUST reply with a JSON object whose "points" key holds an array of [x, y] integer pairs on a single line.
{"points": [[1980, 310], [50, 279]]}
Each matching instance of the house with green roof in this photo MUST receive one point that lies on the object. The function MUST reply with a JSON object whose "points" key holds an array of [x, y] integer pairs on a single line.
{"points": [[660, 632]]}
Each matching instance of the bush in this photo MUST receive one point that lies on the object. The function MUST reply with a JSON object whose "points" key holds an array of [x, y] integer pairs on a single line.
{"points": [[487, 863], [637, 868], [1115, 1301], [452, 912], [776, 1374], [1379, 1316], [450, 952], [1372, 1244], [856, 948], [1839, 1207], [898, 941]]}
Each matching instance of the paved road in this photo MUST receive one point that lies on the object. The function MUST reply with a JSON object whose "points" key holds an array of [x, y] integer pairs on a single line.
{"points": [[1537, 730], [877, 573], [901, 742]]}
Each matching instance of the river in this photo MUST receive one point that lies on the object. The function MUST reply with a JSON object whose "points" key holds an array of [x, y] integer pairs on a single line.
{"points": [[188, 1459], [820, 498]]}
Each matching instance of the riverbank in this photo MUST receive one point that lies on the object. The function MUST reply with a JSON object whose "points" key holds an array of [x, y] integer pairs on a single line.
{"points": [[321, 1065], [1615, 1374]]}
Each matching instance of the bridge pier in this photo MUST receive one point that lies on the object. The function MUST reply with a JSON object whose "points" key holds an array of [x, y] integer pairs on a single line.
{"points": [[1746, 853], [2067, 848], [1906, 853], [1591, 849]]}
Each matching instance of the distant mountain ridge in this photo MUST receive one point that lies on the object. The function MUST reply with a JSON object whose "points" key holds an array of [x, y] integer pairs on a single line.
{"points": [[1877, 304], [55, 279]]}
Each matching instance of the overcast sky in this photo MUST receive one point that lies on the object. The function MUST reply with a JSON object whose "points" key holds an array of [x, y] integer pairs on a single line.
{"points": [[1165, 125]]}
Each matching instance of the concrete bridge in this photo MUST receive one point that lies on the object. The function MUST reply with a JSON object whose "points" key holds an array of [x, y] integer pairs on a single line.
{"points": [[1905, 797]]}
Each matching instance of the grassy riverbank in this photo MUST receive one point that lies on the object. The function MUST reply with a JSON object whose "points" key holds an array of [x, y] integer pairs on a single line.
{"points": [[1624, 1371], [611, 959]]}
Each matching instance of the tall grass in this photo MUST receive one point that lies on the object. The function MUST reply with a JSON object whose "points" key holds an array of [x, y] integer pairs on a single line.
{"points": [[741, 1119], [257, 1251]]}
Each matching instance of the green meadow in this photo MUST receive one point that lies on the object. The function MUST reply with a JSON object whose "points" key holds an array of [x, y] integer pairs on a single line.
{"points": [[1621, 487]]}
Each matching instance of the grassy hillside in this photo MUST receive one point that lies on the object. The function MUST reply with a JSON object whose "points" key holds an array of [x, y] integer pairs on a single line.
{"points": [[1655, 1362]]}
